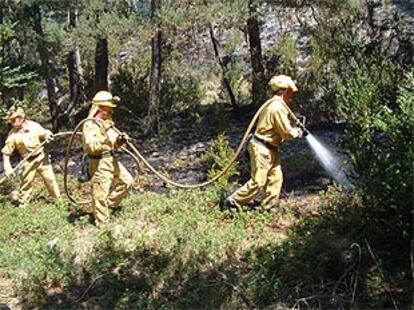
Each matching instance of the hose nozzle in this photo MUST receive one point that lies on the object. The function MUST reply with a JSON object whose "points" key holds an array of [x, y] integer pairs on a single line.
{"points": [[300, 122]]}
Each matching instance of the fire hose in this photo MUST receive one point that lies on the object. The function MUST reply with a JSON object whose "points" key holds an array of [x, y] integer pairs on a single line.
{"points": [[136, 154], [300, 121], [65, 171], [37, 148]]}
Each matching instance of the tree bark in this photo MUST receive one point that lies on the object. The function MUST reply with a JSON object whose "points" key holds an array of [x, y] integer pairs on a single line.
{"points": [[412, 254], [46, 67], [101, 64], [153, 124], [253, 29], [76, 78], [1, 52], [226, 81]]}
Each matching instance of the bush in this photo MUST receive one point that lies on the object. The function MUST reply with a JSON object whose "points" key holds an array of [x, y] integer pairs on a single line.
{"points": [[379, 139], [219, 154], [380, 147], [133, 89]]}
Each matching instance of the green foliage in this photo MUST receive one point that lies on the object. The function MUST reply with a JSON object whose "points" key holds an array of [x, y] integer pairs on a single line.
{"points": [[133, 88], [177, 250], [343, 39], [380, 147], [286, 53], [38, 262], [379, 138], [12, 76], [182, 89], [219, 155]]}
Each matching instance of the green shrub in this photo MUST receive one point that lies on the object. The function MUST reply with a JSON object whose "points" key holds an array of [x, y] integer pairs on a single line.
{"points": [[133, 89], [219, 154], [379, 142], [379, 138]]}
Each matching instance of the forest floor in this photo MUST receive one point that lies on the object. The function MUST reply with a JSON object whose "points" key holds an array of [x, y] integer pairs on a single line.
{"points": [[181, 155]]}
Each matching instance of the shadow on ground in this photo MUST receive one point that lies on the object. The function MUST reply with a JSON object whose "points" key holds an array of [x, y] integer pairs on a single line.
{"points": [[338, 259]]}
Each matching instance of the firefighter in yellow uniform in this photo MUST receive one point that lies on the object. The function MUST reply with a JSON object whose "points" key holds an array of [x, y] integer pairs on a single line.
{"points": [[109, 178], [26, 136], [273, 127]]}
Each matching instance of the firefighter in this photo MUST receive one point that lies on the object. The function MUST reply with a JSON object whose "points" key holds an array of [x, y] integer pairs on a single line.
{"points": [[109, 178], [26, 136], [273, 128]]}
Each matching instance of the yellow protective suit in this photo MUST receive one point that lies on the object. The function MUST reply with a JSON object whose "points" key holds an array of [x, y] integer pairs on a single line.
{"points": [[273, 127], [110, 179], [25, 140]]}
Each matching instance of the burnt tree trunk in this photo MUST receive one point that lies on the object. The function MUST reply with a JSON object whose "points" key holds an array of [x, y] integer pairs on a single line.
{"points": [[76, 78], [226, 81], [101, 64], [253, 29], [46, 64], [223, 67], [2, 54], [153, 124]]}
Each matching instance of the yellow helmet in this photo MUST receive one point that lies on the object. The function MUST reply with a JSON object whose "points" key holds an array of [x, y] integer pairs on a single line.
{"points": [[14, 112], [105, 98], [279, 82]]}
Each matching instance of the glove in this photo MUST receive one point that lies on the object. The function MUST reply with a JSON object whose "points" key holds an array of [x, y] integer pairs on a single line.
{"points": [[299, 132], [124, 137], [49, 138], [9, 173], [121, 140]]}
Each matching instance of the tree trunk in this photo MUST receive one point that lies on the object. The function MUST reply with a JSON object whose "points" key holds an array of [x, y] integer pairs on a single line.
{"points": [[76, 78], [46, 67], [226, 81], [253, 29], [412, 255], [101, 64], [1, 53], [153, 124]]}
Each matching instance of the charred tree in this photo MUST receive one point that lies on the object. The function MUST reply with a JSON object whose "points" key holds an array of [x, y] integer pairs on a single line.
{"points": [[101, 64], [223, 66], [76, 77], [253, 29], [1, 51], [46, 66], [155, 76]]}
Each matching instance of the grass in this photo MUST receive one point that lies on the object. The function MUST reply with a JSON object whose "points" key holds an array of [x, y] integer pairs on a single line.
{"points": [[178, 251]]}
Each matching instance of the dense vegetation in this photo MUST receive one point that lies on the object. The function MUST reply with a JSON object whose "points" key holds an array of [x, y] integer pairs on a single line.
{"points": [[179, 63]]}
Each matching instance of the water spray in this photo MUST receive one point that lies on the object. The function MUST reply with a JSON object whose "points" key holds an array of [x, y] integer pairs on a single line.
{"points": [[330, 161]]}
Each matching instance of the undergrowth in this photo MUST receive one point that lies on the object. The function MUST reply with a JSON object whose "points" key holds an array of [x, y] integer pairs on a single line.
{"points": [[177, 250]]}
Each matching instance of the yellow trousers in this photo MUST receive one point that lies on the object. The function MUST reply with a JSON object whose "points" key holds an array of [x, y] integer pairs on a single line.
{"points": [[266, 173], [38, 165], [110, 184]]}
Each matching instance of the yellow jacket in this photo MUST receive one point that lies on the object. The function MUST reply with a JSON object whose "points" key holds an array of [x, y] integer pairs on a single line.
{"points": [[273, 125], [98, 137], [25, 139]]}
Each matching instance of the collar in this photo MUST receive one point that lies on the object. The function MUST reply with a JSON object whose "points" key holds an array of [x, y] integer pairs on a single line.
{"points": [[25, 127]]}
